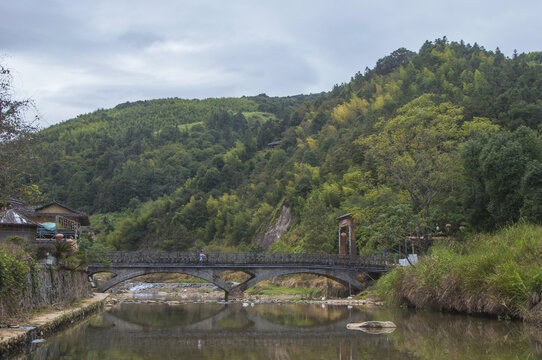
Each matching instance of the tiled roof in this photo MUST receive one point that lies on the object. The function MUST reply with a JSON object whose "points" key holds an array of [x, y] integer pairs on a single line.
{"points": [[23, 209], [11, 216], [61, 205]]}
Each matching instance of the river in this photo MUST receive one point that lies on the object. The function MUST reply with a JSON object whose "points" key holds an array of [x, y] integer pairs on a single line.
{"points": [[285, 331]]}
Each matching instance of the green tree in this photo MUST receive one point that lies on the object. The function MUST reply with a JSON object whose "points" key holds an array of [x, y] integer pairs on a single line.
{"points": [[384, 219], [318, 231], [399, 57], [418, 150], [502, 171], [532, 192], [15, 134]]}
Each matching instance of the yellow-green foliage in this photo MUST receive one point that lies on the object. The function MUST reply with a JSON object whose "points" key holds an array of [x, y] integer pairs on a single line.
{"points": [[505, 267], [350, 110], [258, 116]]}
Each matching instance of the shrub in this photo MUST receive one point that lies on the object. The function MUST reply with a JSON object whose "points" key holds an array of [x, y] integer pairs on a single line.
{"points": [[62, 248], [16, 240], [14, 274]]}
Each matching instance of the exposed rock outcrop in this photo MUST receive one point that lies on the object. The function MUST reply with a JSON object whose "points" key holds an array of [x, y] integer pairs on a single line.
{"points": [[274, 232]]}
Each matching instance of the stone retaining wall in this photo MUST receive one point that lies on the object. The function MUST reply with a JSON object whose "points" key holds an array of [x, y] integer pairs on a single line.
{"points": [[55, 285]]}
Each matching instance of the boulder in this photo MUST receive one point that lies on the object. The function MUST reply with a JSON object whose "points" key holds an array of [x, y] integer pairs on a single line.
{"points": [[371, 325]]}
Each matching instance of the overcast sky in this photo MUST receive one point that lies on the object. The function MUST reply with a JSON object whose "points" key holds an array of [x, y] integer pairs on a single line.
{"points": [[73, 57]]}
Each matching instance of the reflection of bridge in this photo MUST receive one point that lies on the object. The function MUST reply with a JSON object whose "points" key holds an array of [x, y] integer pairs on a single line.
{"points": [[260, 340], [341, 268], [252, 320], [216, 332]]}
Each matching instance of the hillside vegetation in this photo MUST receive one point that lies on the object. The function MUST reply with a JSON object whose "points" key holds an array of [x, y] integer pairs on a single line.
{"points": [[445, 135]]}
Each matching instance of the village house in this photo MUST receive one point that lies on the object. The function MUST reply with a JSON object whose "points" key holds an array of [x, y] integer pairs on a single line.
{"points": [[46, 221]]}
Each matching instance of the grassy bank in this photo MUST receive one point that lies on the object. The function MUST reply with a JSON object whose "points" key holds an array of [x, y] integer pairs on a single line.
{"points": [[498, 274], [274, 289]]}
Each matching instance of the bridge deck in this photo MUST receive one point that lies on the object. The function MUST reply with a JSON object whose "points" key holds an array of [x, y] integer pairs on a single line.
{"points": [[161, 258]]}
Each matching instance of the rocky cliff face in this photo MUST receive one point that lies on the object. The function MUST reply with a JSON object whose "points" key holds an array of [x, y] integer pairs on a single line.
{"points": [[274, 232]]}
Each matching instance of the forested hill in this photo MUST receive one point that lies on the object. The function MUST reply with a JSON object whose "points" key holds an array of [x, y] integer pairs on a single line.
{"points": [[100, 161], [447, 135]]}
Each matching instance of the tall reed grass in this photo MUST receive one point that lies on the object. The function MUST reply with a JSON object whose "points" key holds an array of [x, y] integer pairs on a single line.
{"points": [[498, 273]]}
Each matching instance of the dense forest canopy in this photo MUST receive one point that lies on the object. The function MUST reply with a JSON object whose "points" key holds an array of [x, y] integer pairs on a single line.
{"points": [[447, 135]]}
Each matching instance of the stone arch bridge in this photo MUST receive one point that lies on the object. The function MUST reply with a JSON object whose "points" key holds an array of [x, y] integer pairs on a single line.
{"points": [[344, 269]]}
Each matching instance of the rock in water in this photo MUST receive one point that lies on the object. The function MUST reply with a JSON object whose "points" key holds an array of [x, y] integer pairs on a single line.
{"points": [[377, 331], [371, 325]]}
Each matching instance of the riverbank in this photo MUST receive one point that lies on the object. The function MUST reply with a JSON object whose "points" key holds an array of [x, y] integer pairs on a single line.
{"points": [[47, 322], [128, 298], [183, 293], [178, 289], [491, 274]]}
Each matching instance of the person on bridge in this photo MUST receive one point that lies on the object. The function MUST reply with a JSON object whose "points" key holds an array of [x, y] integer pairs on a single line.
{"points": [[201, 256]]}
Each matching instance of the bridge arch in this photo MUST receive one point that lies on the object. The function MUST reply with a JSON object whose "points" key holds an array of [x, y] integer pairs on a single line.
{"points": [[125, 275], [345, 278]]}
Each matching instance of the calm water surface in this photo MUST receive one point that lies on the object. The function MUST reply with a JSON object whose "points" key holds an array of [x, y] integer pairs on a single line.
{"points": [[285, 331]]}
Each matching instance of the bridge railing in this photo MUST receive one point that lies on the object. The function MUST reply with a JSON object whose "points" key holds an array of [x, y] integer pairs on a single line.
{"points": [[246, 259]]}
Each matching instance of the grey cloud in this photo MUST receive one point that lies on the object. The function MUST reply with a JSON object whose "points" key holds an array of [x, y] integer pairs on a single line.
{"points": [[138, 40], [84, 55], [32, 28]]}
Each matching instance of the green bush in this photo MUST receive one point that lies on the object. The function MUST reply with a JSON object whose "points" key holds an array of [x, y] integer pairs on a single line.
{"points": [[388, 286], [91, 251], [62, 248], [14, 275], [16, 240]]}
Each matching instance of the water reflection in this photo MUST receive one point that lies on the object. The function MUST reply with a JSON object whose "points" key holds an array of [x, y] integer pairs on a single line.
{"points": [[303, 315], [285, 331], [165, 315], [215, 317], [449, 336]]}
